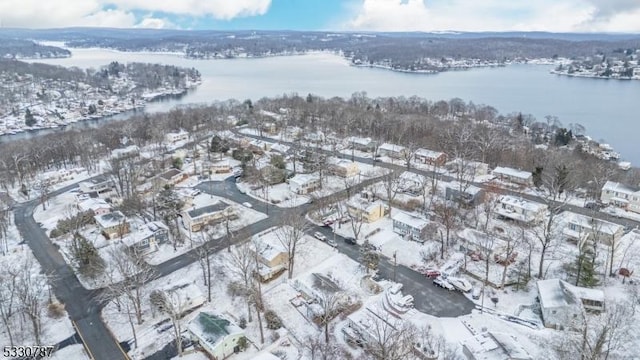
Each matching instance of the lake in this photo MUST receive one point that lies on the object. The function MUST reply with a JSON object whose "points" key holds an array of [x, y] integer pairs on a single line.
{"points": [[608, 109]]}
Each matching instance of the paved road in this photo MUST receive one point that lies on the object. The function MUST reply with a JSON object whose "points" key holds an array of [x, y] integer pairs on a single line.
{"points": [[80, 303]]}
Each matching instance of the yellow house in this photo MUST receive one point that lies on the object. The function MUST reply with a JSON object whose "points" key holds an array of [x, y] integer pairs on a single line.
{"points": [[368, 211], [113, 224], [344, 168], [272, 254], [196, 218]]}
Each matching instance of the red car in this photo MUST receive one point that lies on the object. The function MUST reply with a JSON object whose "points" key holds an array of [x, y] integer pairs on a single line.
{"points": [[432, 274]]}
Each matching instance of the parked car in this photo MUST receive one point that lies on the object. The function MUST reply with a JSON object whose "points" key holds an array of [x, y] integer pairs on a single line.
{"points": [[332, 243], [460, 284], [351, 241], [592, 205], [432, 273], [247, 204], [319, 236], [443, 283], [476, 293]]}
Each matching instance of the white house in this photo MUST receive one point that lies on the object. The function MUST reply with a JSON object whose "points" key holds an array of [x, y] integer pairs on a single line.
{"points": [[393, 151], [302, 184], [361, 144], [517, 177], [97, 205], [621, 195], [430, 157], [410, 226], [563, 304], [518, 209], [99, 185], [174, 137], [131, 150], [582, 228], [494, 345], [218, 336]]}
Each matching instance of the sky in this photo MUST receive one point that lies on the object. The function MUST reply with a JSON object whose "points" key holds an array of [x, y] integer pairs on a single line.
{"points": [[335, 15]]}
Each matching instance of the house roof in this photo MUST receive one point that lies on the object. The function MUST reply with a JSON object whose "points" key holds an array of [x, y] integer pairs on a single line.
{"points": [[269, 243], [522, 203], [525, 175], [364, 205], [619, 187], [360, 141], [167, 175], [410, 220], [125, 151], [93, 204], [468, 189], [212, 328], [301, 179], [209, 209], [281, 148], [553, 294], [391, 147], [110, 219], [428, 153], [144, 232], [587, 222], [495, 346]]}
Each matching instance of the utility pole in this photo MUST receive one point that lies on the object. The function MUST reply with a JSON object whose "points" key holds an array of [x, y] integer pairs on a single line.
{"points": [[395, 264]]}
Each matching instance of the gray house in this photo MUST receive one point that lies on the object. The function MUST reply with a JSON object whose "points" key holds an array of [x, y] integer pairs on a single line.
{"points": [[469, 196]]}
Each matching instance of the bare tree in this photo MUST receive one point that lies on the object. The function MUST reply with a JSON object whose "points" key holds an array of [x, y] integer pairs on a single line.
{"points": [[8, 297], [391, 185], [390, 338], [291, 234], [448, 216], [241, 263], [31, 287], [203, 253], [174, 304]]}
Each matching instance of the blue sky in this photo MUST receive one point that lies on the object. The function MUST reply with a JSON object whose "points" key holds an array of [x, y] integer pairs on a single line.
{"points": [[370, 15]]}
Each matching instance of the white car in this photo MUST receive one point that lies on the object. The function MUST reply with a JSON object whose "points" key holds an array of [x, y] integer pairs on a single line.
{"points": [[460, 284], [247, 204], [443, 283], [319, 236], [332, 243]]}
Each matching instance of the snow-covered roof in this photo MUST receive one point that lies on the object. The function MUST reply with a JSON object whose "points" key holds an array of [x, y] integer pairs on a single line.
{"points": [[212, 328], [221, 163], [589, 223], [521, 203], [144, 232], [481, 239], [359, 140], [467, 189], [281, 148], [364, 205], [206, 210], [303, 179], [111, 219], [410, 220], [269, 243], [131, 149], [507, 171], [426, 153], [93, 204], [392, 147], [553, 294], [495, 346], [619, 187]]}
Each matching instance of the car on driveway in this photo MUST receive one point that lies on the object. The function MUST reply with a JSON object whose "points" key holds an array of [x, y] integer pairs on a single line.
{"points": [[319, 236], [332, 243]]}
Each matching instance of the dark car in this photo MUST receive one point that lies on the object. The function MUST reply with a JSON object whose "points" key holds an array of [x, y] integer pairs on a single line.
{"points": [[592, 205], [350, 241]]}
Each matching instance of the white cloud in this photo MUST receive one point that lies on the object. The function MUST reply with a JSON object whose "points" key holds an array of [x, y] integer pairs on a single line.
{"points": [[155, 23], [61, 13], [496, 15]]}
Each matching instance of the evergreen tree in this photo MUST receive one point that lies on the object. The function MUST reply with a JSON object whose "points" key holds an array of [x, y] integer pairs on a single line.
{"points": [[537, 176], [29, 119]]}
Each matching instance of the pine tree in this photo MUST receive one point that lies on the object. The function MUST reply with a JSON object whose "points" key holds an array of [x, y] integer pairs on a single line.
{"points": [[29, 119]]}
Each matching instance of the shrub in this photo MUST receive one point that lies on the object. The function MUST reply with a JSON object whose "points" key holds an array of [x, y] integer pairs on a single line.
{"points": [[273, 321], [55, 310]]}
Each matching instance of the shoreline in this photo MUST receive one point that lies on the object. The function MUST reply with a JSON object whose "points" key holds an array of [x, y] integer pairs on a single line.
{"points": [[592, 76]]}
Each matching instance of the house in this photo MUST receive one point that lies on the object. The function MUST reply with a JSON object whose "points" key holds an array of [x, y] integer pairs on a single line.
{"points": [[269, 127], [174, 137], [517, 177], [481, 243], [518, 209], [430, 157], [259, 146], [581, 228], [412, 184], [344, 168], [113, 224], [366, 210], [361, 144], [218, 336], [621, 195], [170, 177], [467, 169], [467, 196], [99, 185], [221, 167], [393, 151], [314, 137], [97, 205], [492, 345], [272, 254], [147, 237], [410, 226], [303, 184], [195, 219], [128, 151], [184, 298], [563, 304]]}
